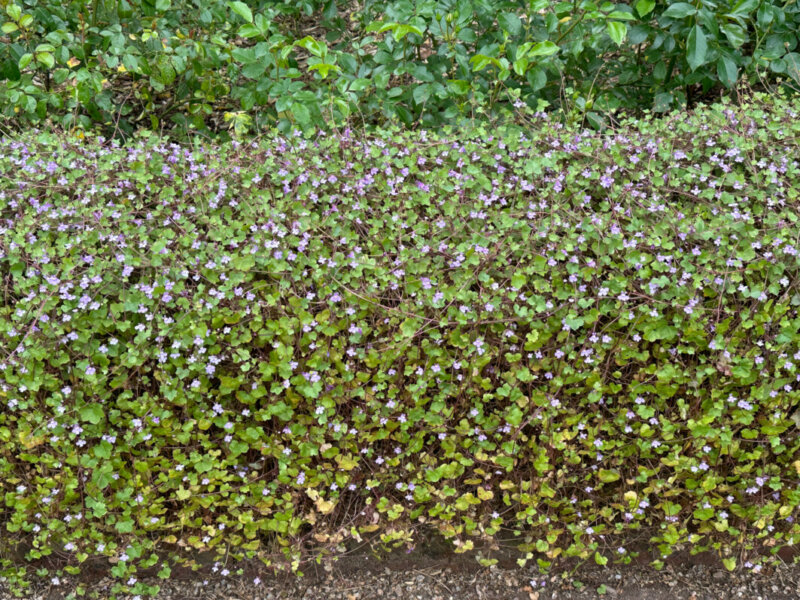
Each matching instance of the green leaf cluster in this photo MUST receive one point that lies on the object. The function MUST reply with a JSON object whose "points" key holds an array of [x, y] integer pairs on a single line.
{"points": [[230, 68]]}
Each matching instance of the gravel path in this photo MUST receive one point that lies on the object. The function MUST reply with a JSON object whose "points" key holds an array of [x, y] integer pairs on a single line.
{"points": [[457, 577]]}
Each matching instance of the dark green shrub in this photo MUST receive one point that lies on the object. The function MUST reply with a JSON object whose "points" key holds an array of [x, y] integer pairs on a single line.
{"points": [[559, 336], [247, 66]]}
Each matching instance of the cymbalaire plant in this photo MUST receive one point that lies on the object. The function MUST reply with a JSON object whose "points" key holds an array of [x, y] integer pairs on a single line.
{"points": [[286, 348]]}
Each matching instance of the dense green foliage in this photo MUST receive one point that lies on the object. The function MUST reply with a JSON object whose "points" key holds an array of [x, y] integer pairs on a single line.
{"points": [[210, 65], [276, 349]]}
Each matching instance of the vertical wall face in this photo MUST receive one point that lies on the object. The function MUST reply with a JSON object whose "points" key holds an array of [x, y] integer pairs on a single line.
{"points": [[553, 332]]}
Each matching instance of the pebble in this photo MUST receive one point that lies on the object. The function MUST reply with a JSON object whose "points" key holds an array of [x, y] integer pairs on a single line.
{"points": [[364, 578]]}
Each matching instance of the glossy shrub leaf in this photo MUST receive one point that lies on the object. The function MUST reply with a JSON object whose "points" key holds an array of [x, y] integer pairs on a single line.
{"points": [[510, 22], [727, 71], [9, 70], [13, 10], [617, 31], [679, 10], [546, 48], [46, 59], [743, 8], [242, 9], [25, 60], [645, 7], [301, 113], [421, 93], [792, 60], [736, 34], [696, 48]]}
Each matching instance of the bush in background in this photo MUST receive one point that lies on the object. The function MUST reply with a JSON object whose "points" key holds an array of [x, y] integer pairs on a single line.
{"points": [[213, 66]]}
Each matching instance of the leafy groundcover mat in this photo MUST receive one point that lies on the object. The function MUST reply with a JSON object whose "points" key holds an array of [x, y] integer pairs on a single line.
{"points": [[282, 347]]}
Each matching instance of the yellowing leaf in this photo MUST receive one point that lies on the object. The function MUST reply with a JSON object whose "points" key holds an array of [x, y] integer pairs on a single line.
{"points": [[325, 506], [346, 463], [547, 491], [73, 62], [30, 441], [608, 476]]}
